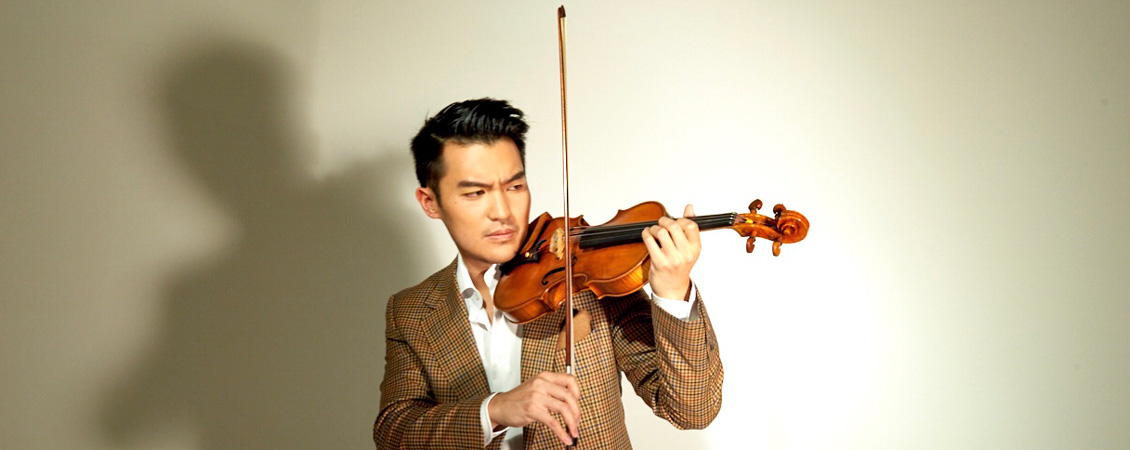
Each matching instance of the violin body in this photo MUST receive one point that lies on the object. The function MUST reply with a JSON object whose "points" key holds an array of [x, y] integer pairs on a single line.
{"points": [[610, 259], [532, 284]]}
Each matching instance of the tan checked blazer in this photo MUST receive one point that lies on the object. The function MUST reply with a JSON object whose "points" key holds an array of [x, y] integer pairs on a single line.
{"points": [[434, 380]]}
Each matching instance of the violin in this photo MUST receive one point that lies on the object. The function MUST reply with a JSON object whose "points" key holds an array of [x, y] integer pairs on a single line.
{"points": [[610, 259]]}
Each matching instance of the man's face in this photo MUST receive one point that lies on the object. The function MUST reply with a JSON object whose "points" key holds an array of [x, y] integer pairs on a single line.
{"points": [[484, 201]]}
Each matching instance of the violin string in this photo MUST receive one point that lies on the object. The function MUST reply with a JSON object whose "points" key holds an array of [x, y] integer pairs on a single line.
{"points": [[626, 233], [632, 232], [711, 221]]}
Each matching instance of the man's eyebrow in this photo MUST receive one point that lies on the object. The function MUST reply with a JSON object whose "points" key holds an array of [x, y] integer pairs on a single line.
{"points": [[479, 184], [518, 176], [470, 183]]}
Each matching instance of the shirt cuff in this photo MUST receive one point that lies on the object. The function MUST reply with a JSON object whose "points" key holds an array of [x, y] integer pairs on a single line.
{"points": [[484, 420], [682, 310]]}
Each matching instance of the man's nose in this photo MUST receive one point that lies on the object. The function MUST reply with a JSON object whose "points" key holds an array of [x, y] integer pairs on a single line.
{"points": [[500, 206]]}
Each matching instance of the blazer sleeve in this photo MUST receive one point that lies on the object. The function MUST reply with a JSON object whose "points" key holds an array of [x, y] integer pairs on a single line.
{"points": [[673, 365], [410, 417]]}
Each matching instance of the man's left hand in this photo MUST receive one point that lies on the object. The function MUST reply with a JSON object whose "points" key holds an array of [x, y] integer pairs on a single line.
{"points": [[674, 247]]}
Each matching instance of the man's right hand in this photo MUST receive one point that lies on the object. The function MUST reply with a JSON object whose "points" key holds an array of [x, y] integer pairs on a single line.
{"points": [[536, 400]]}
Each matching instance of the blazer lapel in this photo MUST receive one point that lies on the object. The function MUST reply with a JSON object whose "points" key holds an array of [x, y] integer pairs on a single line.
{"points": [[449, 335], [539, 341]]}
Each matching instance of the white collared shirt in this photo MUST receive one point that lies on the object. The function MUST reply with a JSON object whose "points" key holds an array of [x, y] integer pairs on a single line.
{"points": [[499, 343], [500, 349]]}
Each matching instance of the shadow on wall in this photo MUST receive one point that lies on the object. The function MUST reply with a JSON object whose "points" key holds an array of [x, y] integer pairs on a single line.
{"points": [[279, 344]]}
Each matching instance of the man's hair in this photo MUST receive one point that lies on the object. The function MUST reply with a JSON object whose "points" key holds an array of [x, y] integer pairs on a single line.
{"points": [[484, 121]]}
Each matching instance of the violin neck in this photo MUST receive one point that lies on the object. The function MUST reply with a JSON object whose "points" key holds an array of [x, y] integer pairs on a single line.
{"points": [[630, 233]]}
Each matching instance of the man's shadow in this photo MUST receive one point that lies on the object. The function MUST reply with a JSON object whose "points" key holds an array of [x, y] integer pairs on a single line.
{"points": [[279, 342]]}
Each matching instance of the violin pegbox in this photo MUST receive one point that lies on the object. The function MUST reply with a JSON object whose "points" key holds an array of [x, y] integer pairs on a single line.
{"points": [[785, 227]]}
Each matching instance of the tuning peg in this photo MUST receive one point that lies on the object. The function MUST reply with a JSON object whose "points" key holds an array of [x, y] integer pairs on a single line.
{"points": [[749, 244], [778, 210], [776, 248], [755, 205]]}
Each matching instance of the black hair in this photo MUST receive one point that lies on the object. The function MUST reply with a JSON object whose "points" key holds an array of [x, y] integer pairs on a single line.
{"points": [[483, 120]]}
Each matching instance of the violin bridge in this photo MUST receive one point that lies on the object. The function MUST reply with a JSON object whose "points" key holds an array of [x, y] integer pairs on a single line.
{"points": [[557, 244]]}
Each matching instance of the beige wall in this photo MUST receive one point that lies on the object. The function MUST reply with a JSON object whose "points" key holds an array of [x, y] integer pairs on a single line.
{"points": [[205, 204]]}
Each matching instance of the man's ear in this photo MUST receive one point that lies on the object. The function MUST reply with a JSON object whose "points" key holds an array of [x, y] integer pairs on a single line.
{"points": [[429, 202]]}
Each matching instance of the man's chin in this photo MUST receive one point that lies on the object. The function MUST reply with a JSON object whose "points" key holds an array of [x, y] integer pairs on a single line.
{"points": [[505, 257], [504, 254]]}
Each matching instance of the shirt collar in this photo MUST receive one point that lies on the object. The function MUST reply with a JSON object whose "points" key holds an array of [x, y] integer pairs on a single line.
{"points": [[476, 312]]}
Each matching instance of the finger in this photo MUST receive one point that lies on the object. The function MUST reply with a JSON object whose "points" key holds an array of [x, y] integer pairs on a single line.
{"points": [[666, 242], [561, 379], [575, 388], [653, 250], [671, 226], [679, 233], [690, 229], [689, 223], [691, 237], [567, 412], [565, 394], [569, 392], [546, 418], [573, 405], [565, 390], [564, 387]]}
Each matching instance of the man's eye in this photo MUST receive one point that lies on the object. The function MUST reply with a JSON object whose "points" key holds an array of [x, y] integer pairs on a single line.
{"points": [[517, 187], [475, 194]]}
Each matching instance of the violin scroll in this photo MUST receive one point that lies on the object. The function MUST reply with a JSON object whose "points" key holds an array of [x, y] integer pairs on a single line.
{"points": [[785, 227]]}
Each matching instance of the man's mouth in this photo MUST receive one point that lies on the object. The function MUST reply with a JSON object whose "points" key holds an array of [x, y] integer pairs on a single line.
{"points": [[501, 235]]}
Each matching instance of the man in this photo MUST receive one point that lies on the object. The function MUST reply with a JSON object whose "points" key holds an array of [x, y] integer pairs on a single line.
{"points": [[459, 375]]}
